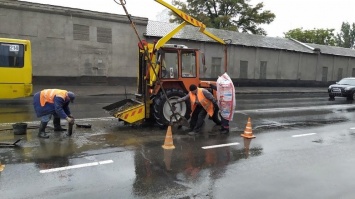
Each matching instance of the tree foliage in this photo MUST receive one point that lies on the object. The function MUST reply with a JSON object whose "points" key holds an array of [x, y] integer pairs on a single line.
{"points": [[315, 36], [346, 37], [235, 15]]}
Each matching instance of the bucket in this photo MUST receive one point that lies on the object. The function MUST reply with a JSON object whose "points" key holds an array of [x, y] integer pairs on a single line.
{"points": [[19, 128]]}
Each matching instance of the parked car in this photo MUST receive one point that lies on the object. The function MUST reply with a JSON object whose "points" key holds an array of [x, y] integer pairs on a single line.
{"points": [[344, 88]]}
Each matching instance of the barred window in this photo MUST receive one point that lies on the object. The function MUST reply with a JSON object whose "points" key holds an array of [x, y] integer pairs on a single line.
{"points": [[104, 35], [81, 32]]}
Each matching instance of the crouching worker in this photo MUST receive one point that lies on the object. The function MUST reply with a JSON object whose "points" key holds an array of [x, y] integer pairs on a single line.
{"points": [[54, 102], [202, 103]]}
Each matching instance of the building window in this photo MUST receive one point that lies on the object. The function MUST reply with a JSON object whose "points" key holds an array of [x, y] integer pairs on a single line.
{"points": [[263, 65], [340, 73], [104, 35], [216, 66], [243, 69], [324, 74], [81, 32], [353, 73]]}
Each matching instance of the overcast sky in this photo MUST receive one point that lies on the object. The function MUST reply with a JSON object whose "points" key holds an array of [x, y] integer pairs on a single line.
{"points": [[290, 14]]}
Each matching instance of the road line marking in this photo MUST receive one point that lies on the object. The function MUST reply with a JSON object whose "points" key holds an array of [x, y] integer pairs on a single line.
{"points": [[352, 128], [302, 135], [220, 145], [76, 166], [301, 108]]}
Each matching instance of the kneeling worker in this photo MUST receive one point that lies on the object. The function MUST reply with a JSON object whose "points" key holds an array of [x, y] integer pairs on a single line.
{"points": [[54, 102], [202, 103]]}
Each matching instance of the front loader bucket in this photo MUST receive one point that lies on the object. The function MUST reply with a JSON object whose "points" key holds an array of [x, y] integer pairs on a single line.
{"points": [[128, 110]]}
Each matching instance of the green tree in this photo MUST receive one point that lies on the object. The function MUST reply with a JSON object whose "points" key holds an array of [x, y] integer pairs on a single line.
{"points": [[235, 15], [315, 36], [346, 37]]}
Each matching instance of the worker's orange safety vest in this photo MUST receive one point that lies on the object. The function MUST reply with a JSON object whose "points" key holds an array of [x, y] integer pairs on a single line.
{"points": [[48, 95], [205, 103]]}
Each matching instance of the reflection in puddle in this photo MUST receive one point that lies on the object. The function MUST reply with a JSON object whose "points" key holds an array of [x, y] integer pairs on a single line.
{"points": [[184, 168]]}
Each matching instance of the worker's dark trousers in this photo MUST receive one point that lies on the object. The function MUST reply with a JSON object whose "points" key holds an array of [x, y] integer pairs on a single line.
{"points": [[215, 118], [198, 119], [225, 123]]}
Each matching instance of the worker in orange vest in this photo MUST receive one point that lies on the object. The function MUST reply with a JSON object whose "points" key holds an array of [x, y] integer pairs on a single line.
{"points": [[202, 103], [53, 102]]}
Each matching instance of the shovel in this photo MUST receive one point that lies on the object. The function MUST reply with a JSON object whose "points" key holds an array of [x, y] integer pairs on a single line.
{"points": [[182, 121], [5, 144]]}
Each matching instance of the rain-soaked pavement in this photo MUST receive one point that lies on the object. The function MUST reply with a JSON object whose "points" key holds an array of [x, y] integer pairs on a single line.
{"points": [[303, 149]]}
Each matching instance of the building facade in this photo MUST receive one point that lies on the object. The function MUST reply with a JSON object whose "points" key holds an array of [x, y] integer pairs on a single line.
{"points": [[85, 47]]}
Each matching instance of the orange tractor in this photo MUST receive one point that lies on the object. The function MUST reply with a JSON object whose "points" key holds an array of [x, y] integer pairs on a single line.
{"points": [[165, 73]]}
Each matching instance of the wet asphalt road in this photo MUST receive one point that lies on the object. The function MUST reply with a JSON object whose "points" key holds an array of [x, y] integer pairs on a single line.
{"points": [[303, 149]]}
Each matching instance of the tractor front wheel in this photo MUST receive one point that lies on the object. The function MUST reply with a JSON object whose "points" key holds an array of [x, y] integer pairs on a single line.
{"points": [[162, 111]]}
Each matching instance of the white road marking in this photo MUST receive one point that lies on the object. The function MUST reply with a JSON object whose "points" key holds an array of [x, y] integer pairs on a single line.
{"points": [[76, 166], [220, 145], [316, 108], [352, 128], [302, 135]]}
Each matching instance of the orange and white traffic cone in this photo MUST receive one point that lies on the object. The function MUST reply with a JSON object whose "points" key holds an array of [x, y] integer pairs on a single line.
{"points": [[2, 167], [168, 143], [248, 130]]}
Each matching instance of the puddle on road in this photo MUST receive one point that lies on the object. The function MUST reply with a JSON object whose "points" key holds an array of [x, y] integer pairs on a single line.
{"points": [[299, 124]]}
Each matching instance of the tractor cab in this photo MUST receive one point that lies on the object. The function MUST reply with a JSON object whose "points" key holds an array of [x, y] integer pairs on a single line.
{"points": [[179, 66], [178, 62]]}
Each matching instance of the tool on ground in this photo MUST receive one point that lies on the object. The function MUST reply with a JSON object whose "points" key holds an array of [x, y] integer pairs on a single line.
{"points": [[6, 144], [248, 132], [83, 126], [70, 129]]}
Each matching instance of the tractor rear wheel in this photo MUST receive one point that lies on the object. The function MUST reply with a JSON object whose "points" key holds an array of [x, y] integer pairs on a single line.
{"points": [[162, 111]]}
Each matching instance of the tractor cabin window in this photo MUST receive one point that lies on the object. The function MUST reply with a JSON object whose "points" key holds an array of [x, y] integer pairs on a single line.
{"points": [[188, 64], [169, 65], [11, 55]]}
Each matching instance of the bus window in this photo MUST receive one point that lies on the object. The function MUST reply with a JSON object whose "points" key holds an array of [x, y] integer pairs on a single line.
{"points": [[15, 68], [11, 55]]}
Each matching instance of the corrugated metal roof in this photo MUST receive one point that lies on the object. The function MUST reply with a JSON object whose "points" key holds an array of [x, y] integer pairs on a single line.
{"points": [[159, 29], [333, 50]]}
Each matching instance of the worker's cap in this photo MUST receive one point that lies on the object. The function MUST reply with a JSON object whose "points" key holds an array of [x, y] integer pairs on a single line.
{"points": [[193, 87], [71, 96]]}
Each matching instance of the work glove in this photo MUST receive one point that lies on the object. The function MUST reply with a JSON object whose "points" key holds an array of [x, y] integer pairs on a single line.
{"points": [[70, 120]]}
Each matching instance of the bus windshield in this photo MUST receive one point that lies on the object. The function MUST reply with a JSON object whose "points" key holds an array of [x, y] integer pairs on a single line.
{"points": [[15, 68], [11, 55]]}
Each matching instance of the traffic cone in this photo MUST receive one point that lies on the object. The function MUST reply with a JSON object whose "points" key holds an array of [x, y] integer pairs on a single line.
{"points": [[248, 130], [2, 167], [168, 143]]}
